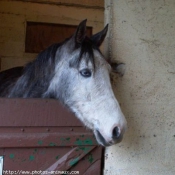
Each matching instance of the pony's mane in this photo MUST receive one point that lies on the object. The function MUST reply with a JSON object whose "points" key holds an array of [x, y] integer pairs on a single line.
{"points": [[44, 63], [86, 48], [36, 74]]}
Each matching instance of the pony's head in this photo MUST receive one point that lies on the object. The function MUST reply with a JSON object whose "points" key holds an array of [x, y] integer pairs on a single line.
{"points": [[82, 82]]}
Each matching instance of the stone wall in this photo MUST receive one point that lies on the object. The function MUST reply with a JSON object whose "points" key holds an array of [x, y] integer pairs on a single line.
{"points": [[142, 35]]}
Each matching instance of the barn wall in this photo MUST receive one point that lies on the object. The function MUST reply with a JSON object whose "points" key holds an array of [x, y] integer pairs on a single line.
{"points": [[14, 14], [142, 35]]}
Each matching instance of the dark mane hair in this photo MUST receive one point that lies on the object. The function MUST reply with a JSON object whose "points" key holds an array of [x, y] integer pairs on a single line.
{"points": [[45, 59], [37, 73], [8, 78], [86, 48]]}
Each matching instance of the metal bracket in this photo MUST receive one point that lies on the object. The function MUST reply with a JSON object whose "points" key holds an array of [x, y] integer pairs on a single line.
{"points": [[1, 164]]}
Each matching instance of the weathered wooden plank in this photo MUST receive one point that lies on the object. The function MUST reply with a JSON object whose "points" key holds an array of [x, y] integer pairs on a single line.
{"points": [[35, 112], [91, 163], [41, 159], [96, 4], [70, 159], [12, 140]]}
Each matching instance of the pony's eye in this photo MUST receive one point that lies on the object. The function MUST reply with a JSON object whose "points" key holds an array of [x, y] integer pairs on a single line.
{"points": [[85, 73]]}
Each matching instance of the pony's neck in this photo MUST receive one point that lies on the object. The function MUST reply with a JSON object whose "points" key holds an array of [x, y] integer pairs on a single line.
{"points": [[36, 76]]}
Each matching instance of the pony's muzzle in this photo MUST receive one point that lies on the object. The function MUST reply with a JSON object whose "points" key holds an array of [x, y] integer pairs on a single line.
{"points": [[116, 137], [116, 134]]}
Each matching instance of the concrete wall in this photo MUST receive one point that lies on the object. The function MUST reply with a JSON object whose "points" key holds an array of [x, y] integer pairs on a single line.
{"points": [[14, 14], [142, 34]]}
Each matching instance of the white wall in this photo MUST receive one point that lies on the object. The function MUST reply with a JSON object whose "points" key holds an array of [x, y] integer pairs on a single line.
{"points": [[142, 34], [14, 14]]}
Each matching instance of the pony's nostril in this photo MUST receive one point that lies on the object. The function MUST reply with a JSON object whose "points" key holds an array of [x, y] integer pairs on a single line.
{"points": [[116, 133]]}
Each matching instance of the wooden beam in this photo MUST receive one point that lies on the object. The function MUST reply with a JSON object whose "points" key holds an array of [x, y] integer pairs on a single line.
{"points": [[96, 4]]}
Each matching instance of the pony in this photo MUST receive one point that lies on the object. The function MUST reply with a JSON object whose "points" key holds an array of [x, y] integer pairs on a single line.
{"points": [[76, 73]]}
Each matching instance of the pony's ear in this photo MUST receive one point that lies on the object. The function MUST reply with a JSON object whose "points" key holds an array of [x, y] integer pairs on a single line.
{"points": [[98, 38], [80, 32]]}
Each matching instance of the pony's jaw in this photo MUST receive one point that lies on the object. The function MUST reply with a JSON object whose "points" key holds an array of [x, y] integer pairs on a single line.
{"points": [[102, 120]]}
